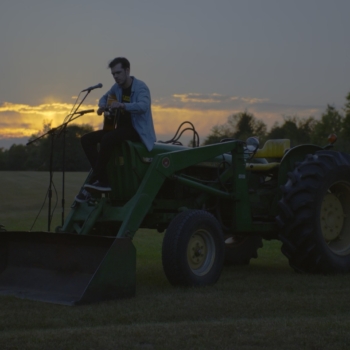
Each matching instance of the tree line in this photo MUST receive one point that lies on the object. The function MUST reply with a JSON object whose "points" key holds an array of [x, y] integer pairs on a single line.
{"points": [[36, 156], [298, 130], [64, 145]]}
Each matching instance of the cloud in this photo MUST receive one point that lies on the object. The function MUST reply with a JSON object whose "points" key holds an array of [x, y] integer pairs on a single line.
{"points": [[201, 98], [207, 110], [21, 120], [214, 98], [204, 111]]}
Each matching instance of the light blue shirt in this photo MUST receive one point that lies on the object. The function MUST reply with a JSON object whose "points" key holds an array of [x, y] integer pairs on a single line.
{"points": [[139, 108]]}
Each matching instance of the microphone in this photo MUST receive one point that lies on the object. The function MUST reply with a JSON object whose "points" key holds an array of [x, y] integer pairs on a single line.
{"points": [[98, 86], [86, 111]]}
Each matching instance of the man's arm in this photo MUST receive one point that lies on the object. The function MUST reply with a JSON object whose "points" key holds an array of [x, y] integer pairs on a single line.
{"points": [[143, 101], [142, 104]]}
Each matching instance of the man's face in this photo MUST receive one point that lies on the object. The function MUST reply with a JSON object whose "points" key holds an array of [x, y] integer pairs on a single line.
{"points": [[120, 74]]}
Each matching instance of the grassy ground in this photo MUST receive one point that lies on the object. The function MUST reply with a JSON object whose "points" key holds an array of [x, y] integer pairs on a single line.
{"points": [[24, 192], [261, 306]]}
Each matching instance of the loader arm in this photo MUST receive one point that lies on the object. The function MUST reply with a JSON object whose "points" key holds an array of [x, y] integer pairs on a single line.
{"points": [[165, 165]]}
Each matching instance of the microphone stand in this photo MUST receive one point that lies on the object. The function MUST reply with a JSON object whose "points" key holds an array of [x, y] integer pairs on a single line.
{"points": [[63, 173], [64, 154], [64, 145], [52, 132]]}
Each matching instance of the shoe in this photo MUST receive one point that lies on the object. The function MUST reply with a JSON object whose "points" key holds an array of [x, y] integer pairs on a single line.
{"points": [[99, 186], [83, 196]]}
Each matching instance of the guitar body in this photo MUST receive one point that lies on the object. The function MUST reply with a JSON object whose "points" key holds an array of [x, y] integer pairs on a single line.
{"points": [[109, 117]]}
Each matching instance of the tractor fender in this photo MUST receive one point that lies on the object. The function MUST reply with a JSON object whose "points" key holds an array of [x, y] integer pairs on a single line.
{"points": [[291, 158]]}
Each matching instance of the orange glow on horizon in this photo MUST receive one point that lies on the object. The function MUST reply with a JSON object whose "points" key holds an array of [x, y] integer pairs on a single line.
{"points": [[167, 120], [21, 120]]}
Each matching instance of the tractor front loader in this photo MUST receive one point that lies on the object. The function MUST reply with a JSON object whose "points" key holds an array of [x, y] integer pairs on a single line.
{"points": [[215, 203]]}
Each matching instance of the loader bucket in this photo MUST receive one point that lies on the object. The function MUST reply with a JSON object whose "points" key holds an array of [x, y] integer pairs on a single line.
{"points": [[66, 268]]}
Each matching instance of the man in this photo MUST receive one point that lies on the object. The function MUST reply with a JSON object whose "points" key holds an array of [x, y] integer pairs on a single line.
{"points": [[135, 123]]}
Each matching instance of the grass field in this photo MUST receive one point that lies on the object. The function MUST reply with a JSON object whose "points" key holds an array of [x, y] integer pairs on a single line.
{"points": [[265, 305]]}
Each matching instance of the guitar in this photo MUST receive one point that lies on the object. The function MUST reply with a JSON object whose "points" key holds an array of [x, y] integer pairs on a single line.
{"points": [[109, 116]]}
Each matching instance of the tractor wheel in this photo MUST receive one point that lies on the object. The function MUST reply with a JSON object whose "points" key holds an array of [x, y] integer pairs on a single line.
{"points": [[315, 214], [193, 249], [240, 249]]}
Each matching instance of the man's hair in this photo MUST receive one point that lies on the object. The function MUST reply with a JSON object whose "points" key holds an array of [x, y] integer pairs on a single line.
{"points": [[122, 60]]}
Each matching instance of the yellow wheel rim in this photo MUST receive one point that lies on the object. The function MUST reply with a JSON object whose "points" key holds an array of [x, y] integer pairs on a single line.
{"points": [[335, 219], [201, 252], [332, 217]]}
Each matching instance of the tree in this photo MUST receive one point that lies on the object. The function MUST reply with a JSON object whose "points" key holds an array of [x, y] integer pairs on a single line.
{"points": [[69, 141], [347, 105], [245, 125], [36, 156], [75, 158], [345, 132], [218, 133], [331, 122], [298, 130], [3, 159], [238, 126], [17, 157]]}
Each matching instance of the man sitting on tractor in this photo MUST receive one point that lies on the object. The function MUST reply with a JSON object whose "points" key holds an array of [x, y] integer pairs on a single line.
{"points": [[134, 122]]}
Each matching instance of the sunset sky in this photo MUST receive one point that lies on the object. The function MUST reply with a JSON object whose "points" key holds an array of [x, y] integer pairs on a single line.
{"points": [[202, 60]]}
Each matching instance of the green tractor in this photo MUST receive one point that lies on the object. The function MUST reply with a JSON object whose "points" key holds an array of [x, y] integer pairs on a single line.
{"points": [[215, 204]]}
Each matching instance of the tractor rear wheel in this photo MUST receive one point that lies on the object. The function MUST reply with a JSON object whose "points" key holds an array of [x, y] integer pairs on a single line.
{"points": [[240, 249], [315, 214], [193, 249]]}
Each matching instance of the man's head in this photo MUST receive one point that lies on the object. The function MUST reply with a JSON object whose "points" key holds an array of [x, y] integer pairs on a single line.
{"points": [[125, 64], [120, 69]]}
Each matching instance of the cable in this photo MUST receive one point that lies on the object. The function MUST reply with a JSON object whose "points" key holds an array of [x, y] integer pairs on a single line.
{"points": [[42, 206], [54, 208], [36, 218], [176, 137], [70, 115]]}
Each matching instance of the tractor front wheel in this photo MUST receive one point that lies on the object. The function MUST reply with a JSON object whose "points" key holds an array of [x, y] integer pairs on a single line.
{"points": [[193, 249], [315, 214]]}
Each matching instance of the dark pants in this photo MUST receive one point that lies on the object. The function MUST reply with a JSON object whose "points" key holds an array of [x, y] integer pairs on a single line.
{"points": [[107, 140]]}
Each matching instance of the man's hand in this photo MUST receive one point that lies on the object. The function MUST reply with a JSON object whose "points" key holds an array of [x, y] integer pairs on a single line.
{"points": [[100, 110], [117, 105]]}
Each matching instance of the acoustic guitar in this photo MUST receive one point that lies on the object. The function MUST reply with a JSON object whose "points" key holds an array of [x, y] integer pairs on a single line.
{"points": [[109, 122]]}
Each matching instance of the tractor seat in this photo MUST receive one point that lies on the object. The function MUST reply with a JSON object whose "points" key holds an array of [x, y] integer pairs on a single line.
{"points": [[272, 149]]}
